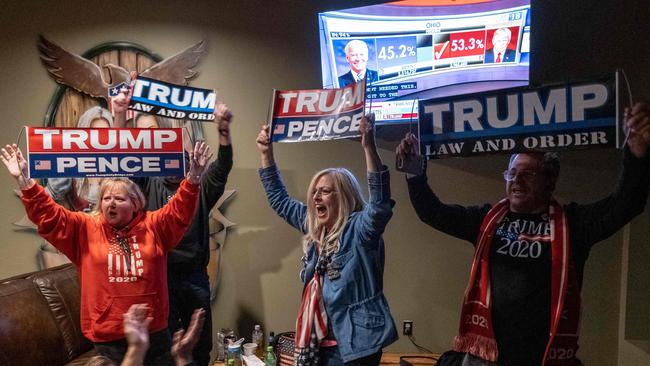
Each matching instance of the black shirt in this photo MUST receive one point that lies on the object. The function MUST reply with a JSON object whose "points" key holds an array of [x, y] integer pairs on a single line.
{"points": [[193, 251], [521, 283], [520, 276]]}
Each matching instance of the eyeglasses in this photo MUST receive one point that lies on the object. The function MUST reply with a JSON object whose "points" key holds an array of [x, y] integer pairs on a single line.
{"points": [[527, 175], [323, 192]]}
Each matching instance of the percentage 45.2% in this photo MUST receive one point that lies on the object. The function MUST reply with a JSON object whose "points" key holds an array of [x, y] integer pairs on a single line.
{"points": [[395, 52]]}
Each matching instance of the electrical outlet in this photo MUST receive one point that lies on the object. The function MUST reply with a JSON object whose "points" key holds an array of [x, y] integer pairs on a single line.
{"points": [[407, 328]]}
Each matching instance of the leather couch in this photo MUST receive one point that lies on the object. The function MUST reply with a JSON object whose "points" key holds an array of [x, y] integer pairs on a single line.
{"points": [[39, 319]]}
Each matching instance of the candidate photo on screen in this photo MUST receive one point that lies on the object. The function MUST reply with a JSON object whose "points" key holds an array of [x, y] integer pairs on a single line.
{"points": [[502, 45], [352, 61]]}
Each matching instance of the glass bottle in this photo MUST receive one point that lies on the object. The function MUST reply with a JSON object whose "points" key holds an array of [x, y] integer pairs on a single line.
{"points": [[258, 338], [269, 360]]}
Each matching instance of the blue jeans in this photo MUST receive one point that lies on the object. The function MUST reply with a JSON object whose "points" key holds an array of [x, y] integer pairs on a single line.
{"points": [[330, 356]]}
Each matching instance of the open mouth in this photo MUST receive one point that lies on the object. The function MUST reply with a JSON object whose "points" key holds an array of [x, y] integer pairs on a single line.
{"points": [[321, 210], [518, 191]]}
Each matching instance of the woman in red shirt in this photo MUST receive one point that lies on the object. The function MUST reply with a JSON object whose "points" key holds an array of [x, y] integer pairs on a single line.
{"points": [[120, 250]]}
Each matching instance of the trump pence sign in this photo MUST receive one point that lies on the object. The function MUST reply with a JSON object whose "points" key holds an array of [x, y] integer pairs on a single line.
{"points": [[104, 152]]}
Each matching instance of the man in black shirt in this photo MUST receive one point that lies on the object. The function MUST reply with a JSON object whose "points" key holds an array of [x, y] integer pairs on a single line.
{"points": [[187, 276], [522, 304]]}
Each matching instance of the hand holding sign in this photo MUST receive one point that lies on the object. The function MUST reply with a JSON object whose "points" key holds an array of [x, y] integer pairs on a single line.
{"points": [[367, 129], [265, 147], [223, 118], [637, 120], [120, 97], [408, 158], [199, 159], [16, 165], [121, 101]]}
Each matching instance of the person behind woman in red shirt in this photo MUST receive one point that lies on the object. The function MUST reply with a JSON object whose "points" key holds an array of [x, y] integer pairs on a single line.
{"points": [[120, 250]]}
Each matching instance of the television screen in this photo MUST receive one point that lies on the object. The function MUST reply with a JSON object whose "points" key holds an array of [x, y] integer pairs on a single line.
{"points": [[410, 50]]}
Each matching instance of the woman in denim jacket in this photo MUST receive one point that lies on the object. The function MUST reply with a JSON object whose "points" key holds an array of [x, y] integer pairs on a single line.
{"points": [[344, 317]]}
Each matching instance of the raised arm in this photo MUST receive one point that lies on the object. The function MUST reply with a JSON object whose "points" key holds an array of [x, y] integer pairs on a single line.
{"points": [[379, 210], [120, 107], [603, 218], [367, 129], [223, 120], [16, 165], [216, 177], [172, 220], [56, 224], [265, 146], [455, 220], [291, 210]]}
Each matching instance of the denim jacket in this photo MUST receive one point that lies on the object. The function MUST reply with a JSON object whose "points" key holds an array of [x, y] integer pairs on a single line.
{"points": [[353, 286]]}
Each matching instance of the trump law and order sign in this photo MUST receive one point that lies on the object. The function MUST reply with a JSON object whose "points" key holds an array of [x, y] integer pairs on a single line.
{"points": [[318, 114], [104, 152], [171, 100], [573, 116]]}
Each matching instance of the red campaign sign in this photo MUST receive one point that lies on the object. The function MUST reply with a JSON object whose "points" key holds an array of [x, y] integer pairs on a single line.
{"points": [[318, 102], [104, 140], [466, 43]]}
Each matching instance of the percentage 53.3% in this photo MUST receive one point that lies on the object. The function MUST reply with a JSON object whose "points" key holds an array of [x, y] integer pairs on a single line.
{"points": [[466, 44]]}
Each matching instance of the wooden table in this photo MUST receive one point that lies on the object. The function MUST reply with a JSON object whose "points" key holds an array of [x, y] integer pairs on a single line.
{"points": [[392, 358]]}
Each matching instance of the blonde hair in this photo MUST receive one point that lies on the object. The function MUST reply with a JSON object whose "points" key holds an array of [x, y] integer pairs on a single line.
{"points": [[161, 122], [92, 114], [350, 200], [132, 191], [82, 185]]}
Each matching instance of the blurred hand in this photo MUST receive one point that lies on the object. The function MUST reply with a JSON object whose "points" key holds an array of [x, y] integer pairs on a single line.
{"points": [[183, 342], [136, 326], [199, 159], [637, 121], [13, 159]]}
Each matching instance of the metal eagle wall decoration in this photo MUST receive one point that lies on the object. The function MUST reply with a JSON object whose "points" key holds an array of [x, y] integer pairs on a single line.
{"points": [[85, 76]]}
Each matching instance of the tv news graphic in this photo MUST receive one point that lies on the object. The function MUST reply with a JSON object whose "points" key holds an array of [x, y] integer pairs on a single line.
{"points": [[394, 111], [317, 114], [173, 101], [433, 47], [104, 152], [554, 117]]}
